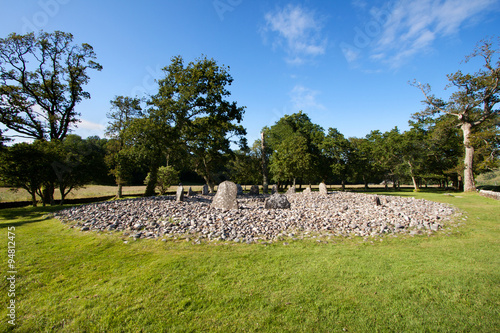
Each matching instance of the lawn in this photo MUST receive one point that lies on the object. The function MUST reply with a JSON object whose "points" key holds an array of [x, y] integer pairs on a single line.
{"points": [[72, 281]]}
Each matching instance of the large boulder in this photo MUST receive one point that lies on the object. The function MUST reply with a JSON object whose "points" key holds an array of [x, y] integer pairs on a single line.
{"points": [[225, 198], [277, 201], [323, 189]]}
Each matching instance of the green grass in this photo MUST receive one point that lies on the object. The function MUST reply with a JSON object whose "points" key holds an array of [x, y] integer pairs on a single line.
{"points": [[71, 281]]}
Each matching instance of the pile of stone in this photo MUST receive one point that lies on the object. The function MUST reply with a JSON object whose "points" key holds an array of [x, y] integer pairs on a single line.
{"points": [[260, 217]]}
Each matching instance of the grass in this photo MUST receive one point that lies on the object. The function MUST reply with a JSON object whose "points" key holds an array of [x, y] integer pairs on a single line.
{"points": [[71, 281]]}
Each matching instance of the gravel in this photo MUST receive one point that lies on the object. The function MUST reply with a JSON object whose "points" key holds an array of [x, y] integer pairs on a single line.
{"points": [[312, 215]]}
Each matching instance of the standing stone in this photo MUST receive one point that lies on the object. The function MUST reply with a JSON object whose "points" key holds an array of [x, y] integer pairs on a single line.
{"points": [[240, 189], [274, 189], [323, 189], [291, 190], [180, 193], [376, 201], [190, 192], [307, 190], [225, 198], [277, 201], [204, 190], [254, 190]]}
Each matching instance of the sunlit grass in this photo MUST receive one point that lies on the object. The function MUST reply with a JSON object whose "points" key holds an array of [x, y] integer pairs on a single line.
{"points": [[74, 281]]}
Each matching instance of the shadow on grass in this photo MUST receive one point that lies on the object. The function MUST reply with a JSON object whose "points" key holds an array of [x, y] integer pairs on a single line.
{"points": [[26, 215]]}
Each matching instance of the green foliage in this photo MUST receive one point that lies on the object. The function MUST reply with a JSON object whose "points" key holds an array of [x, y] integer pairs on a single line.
{"points": [[41, 80], [192, 106], [166, 176]]}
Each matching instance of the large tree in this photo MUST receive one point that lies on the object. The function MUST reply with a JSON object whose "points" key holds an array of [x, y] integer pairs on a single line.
{"points": [[473, 103], [41, 81], [192, 102]]}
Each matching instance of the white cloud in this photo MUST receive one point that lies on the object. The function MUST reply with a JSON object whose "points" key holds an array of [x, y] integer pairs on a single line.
{"points": [[413, 26], [298, 31], [86, 128], [305, 99]]}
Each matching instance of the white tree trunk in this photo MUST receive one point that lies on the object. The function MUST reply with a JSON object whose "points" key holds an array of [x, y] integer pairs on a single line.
{"points": [[469, 184]]}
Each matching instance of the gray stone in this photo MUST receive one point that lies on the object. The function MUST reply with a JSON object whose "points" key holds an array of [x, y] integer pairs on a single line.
{"points": [[274, 189], [376, 200], [204, 190], [180, 193], [277, 201], [225, 198], [291, 190], [240, 189], [254, 190], [190, 192], [307, 190], [322, 189]]}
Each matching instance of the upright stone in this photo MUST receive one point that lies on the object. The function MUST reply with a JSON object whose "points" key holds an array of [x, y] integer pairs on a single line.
{"points": [[277, 201], [180, 193], [190, 192], [254, 190], [323, 189], [274, 189], [204, 190], [376, 201], [225, 198], [307, 190], [240, 189], [291, 190]]}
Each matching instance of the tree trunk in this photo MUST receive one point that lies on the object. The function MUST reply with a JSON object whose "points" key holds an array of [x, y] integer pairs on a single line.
{"points": [[119, 191], [415, 184], [343, 184], [469, 184]]}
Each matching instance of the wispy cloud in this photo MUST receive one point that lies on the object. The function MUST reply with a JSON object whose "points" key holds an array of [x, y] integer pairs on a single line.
{"points": [[413, 26], [305, 99], [298, 31]]}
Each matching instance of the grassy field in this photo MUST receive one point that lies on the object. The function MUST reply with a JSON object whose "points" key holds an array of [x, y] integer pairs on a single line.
{"points": [[72, 281]]}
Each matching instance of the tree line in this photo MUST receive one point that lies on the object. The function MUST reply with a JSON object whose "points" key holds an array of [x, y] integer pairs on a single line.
{"points": [[191, 130]]}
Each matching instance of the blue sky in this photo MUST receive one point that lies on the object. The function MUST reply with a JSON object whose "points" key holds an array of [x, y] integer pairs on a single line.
{"points": [[346, 64]]}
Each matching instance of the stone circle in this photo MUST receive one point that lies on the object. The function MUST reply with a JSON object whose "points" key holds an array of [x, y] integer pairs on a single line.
{"points": [[339, 214]]}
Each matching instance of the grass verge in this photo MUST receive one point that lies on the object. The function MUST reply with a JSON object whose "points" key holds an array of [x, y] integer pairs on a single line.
{"points": [[71, 281]]}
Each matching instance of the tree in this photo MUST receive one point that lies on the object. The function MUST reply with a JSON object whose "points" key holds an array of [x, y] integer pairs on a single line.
{"points": [[338, 151], [473, 104], [123, 111], [191, 102], [295, 125], [290, 158], [41, 81], [17, 168]]}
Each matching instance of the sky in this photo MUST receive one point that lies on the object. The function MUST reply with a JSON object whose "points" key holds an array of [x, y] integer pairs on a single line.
{"points": [[347, 64]]}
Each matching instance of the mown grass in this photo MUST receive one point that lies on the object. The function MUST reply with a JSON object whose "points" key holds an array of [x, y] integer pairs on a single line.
{"points": [[71, 281]]}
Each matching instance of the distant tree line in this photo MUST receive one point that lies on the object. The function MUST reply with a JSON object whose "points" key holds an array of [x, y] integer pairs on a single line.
{"points": [[190, 131]]}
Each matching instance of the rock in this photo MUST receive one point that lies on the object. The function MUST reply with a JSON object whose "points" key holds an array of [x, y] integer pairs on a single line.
{"points": [[322, 189], [225, 198], [274, 189], [376, 200], [307, 190], [291, 190], [204, 190], [277, 201], [180, 193], [240, 189], [190, 192], [254, 190]]}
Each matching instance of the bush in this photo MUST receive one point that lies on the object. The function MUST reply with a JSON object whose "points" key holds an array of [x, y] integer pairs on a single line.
{"points": [[166, 177]]}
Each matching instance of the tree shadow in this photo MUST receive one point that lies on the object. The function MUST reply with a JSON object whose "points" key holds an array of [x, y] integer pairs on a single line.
{"points": [[20, 216]]}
